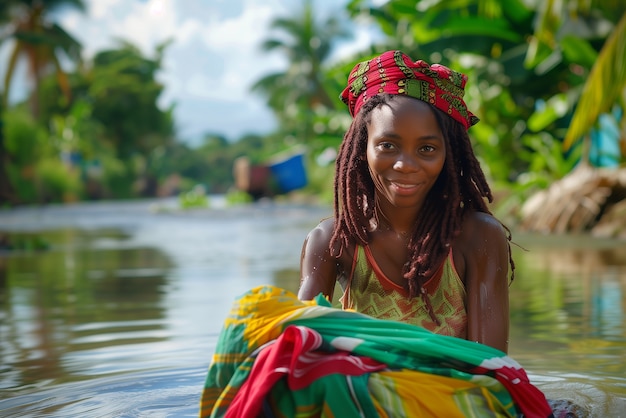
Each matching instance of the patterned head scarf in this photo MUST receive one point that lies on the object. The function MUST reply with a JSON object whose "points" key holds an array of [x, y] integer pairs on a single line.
{"points": [[394, 72]]}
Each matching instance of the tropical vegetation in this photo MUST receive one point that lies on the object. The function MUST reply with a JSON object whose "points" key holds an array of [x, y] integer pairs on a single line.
{"points": [[542, 75]]}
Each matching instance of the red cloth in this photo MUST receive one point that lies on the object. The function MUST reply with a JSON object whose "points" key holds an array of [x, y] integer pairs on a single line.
{"points": [[395, 73], [530, 400], [293, 354]]}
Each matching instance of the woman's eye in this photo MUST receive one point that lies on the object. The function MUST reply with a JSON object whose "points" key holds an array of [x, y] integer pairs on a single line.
{"points": [[386, 145], [428, 148]]}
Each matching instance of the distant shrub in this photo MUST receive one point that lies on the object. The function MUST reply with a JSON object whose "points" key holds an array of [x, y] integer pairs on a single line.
{"points": [[57, 182], [24, 139], [195, 198], [238, 197]]}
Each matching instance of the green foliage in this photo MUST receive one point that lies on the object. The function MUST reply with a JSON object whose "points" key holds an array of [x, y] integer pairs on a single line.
{"points": [[24, 139], [34, 167], [124, 92], [56, 182], [549, 112], [521, 90], [24, 142], [533, 68], [114, 123], [237, 197], [195, 198], [38, 38], [546, 163], [292, 93], [545, 158], [320, 181], [23, 181], [23, 242], [579, 50], [606, 85]]}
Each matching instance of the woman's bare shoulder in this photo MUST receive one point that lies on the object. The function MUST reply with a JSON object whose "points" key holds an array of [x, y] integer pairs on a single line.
{"points": [[319, 239], [482, 237], [322, 233], [481, 230]]}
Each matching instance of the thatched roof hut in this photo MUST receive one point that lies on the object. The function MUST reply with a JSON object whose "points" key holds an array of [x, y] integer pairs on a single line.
{"points": [[586, 200]]}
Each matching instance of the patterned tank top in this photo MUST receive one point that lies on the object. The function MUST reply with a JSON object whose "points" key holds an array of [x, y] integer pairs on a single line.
{"points": [[369, 291]]}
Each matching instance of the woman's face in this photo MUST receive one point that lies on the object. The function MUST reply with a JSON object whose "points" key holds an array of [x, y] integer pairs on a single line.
{"points": [[405, 151]]}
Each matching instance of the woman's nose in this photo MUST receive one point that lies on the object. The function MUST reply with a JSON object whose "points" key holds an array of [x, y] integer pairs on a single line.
{"points": [[406, 163]]}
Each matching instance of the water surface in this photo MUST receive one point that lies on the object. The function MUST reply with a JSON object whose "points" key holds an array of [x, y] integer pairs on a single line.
{"points": [[120, 314]]}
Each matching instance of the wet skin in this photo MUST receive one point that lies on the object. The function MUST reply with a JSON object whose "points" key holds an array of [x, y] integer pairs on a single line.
{"points": [[405, 154]]}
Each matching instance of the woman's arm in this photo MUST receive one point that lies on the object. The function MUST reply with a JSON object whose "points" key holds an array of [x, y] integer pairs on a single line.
{"points": [[486, 256], [318, 268]]}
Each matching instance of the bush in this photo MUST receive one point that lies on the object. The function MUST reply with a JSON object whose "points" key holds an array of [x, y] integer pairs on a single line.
{"points": [[57, 182], [24, 140], [238, 197], [196, 198]]}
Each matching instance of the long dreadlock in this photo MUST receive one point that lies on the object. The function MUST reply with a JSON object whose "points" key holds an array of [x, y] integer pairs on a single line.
{"points": [[460, 188]]}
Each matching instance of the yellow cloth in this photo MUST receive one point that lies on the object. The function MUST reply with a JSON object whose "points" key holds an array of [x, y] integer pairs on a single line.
{"points": [[414, 394]]}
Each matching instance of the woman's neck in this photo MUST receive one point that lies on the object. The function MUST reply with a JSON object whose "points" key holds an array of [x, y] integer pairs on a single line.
{"points": [[399, 220]]}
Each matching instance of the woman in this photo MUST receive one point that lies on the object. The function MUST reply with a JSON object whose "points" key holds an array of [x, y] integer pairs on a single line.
{"points": [[412, 238], [411, 241]]}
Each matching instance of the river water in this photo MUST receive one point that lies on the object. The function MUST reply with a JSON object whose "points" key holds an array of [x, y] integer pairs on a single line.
{"points": [[118, 316]]}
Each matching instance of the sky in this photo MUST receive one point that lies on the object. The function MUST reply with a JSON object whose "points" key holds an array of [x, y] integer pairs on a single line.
{"points": [[213, 60]]}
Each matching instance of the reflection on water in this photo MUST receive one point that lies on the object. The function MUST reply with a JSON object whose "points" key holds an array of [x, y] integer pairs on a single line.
{"points": [[568, 313], [120, 316]]}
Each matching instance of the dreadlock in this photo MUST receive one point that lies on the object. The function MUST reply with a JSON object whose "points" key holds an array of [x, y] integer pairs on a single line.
{"points": [[460, 188]]}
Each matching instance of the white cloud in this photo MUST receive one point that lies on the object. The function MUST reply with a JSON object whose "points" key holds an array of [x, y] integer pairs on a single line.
{"points": [[99, 9], [362, 37], [201, 86], [233, 45], [215, 56], [144, 24], [188, 30], [243, 31], [148, 23]]}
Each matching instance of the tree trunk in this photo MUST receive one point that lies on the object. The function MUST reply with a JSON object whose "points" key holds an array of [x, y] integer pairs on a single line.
{"points": [[7, 196]]}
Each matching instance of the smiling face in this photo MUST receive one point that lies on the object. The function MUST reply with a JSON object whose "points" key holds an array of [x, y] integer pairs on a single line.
{"points": [[405, 151]]}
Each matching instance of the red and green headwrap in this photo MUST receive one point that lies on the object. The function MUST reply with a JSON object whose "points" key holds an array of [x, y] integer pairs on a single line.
{"points": [[394, 72]]}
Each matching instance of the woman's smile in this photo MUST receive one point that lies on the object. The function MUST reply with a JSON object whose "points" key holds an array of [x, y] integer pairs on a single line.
{"points": [[404, 188]]}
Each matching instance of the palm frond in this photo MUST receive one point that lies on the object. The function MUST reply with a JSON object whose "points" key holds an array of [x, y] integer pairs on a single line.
{"points": [[604, 87]]}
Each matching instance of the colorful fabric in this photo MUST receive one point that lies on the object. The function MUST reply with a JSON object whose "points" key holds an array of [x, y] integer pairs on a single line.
{"points": [[279, 356], [293, 355], [394, 72], [424, 394], [370, 292]]}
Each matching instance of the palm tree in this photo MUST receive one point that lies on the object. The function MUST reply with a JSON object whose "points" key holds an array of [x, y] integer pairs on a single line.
{"points": [[40, 40], [307, 45]]}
